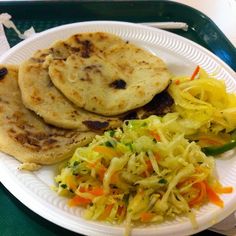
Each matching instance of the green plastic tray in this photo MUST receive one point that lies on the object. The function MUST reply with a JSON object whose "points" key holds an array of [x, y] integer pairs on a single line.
{"points": [[15, 218]]}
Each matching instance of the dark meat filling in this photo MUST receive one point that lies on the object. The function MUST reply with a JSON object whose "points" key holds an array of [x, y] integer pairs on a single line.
{"points": [[96, 125], [159, 105]]}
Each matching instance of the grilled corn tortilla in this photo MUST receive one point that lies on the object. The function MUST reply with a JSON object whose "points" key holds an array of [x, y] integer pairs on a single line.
{"points": [[41, 96], [107, 75], [24, 135]]}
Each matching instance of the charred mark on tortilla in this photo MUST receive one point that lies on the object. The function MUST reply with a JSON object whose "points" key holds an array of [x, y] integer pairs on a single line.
{"points": [[3, 72], [96, 125], [118, 84], [86, 47]]}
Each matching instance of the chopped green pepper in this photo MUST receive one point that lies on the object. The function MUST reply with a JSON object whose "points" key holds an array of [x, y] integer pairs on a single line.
{"points": [[162, 181], [213, 151]]}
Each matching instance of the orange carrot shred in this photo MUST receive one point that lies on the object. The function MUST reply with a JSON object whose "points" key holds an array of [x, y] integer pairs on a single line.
{"points": [[146, 216], [213, 197], [110, 152], [195, 73], [200, 198], [177, 82], [101, 172], [149, 165], [155, 136], [78, 201], [221, 190], [96, 191], [120, 210], [115, 178], [106, 212]]}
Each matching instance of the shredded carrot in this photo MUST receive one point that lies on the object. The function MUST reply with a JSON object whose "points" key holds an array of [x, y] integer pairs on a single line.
{"points": [[155, 136], [92, 165], [149, 165], [82, 189], [218, 188], [205, 140], [202, 169], [96, 191], [221, 190], [185, 182], [195, 73], [145, 174], [177, 82], [101, 172], [106, 212], [146, 216], [200, 198], [110, 152], [212, 196], [120, 210], [115, 178], [78, 201], [157, 157]]}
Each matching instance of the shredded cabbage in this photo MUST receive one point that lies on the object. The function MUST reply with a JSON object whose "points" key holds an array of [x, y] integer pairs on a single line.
{"points": [[205, 103], [144, 175]]}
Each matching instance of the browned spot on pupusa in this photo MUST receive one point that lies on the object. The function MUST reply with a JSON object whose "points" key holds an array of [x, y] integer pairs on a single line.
{"points": [[141, 93], [35, 98], [76, 94], [87, 46], [122, 104], [1, 109], [36, 60], [59, 75], [87, 49], [94, 68], [52, 97], [32, 140], [118, 84], [103, 36], [3, 73], [126, 68]]}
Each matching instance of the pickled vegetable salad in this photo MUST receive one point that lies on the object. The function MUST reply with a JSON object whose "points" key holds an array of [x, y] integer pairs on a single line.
{"points": [[145, 172], [148, 171]]}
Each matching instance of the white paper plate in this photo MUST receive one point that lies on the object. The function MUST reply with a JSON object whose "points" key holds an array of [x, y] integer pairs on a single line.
{"points": [[181, 56]]}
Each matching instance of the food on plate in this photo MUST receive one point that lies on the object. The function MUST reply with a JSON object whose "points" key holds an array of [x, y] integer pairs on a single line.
{"points": [[39, 135], [154, 169], [209, 111], [41, 96], [205, 102], [146, 172], [107, 75], [26, 136]]}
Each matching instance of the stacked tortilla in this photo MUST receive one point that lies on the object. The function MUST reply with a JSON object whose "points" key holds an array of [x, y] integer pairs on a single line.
{"points": [[62, 96]]}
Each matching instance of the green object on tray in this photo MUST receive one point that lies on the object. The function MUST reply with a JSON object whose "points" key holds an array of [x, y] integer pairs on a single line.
{"points": [[16, 219]]}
